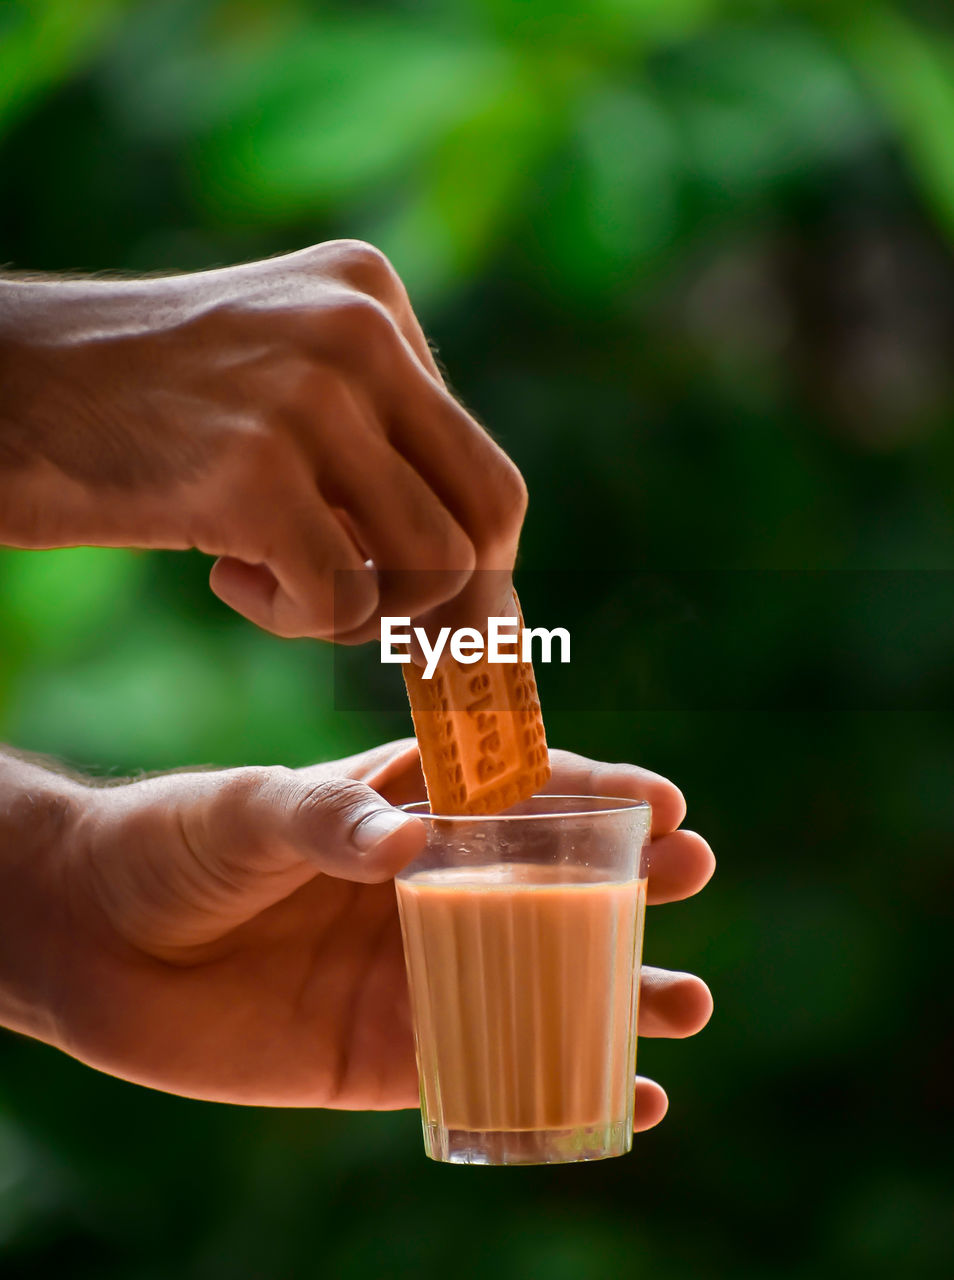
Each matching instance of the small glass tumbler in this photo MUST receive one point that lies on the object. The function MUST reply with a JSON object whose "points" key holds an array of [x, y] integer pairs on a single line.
{"points": [[523, 937]]}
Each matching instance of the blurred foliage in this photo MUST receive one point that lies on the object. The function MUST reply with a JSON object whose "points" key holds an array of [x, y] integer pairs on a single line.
{"points": [[692, 262]]}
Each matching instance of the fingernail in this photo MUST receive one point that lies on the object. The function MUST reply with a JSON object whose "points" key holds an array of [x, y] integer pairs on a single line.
{"points": [[377, 826]]}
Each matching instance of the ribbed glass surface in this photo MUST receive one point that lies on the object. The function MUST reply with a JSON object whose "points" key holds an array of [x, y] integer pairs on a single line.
{"points": [[524, 986]]}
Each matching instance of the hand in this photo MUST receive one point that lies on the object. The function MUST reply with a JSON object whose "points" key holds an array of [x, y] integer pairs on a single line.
{"points": [[234, 936], [285, 416]]}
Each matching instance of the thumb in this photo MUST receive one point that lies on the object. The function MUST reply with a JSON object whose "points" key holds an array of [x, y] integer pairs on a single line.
{"points": [[274, 821], [340, 826], [181, 860]]}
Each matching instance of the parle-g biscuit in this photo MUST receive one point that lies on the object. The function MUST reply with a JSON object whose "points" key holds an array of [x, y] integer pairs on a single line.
{"points": [[480, 733]]}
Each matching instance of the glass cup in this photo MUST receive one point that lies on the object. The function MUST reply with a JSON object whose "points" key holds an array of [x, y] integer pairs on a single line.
{"points": [[523, 937]]}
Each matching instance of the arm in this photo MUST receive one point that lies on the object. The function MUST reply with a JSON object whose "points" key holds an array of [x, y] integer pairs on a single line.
{"points": [[38, 811], [286, 417], [234, 935]]}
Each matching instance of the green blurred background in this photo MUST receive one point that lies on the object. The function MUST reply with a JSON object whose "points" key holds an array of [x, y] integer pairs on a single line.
{"points": [[693, 263]]}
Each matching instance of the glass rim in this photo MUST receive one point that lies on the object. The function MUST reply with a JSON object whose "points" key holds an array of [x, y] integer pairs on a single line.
{"points": [[598, 806]]}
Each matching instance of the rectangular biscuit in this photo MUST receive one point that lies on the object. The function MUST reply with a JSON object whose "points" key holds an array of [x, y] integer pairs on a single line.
{"points": [[480, 733]]}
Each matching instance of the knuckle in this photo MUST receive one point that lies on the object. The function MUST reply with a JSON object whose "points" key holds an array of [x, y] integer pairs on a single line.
{"points": [[335, 798], [602, 772], [241, 792], [249, 783], [421, 591], [568, 761], [432, 539], [363, 321], [291, 619], [352, 607], [365, 267], [513, 489], [608, 776], [506, 504], [453, 550]]}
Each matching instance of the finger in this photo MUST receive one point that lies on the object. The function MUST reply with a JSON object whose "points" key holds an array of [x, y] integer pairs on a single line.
{"points": [[575, 775], [447, 451], [472, 475], [401, 779], [679, 864], [395, 516], [308, 578], [672, 1005], [339, 825], [368, 270], [487, 594], [440, 441], [421, 554], [253, 836], [234, 843], [651, 1104], [394, 296], [249, 589], [416, 339]]}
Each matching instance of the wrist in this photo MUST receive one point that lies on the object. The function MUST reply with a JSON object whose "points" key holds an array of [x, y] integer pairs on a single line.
{"points": [[16, 377], [103, 410], [32, 405], [40, 817]]}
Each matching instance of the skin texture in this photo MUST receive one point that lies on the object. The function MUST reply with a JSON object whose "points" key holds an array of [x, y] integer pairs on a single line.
{"points": [[286, 417], [234, 935]]}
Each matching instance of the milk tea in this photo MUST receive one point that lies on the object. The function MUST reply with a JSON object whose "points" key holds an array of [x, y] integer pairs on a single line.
{"points": [[524, 986]]}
